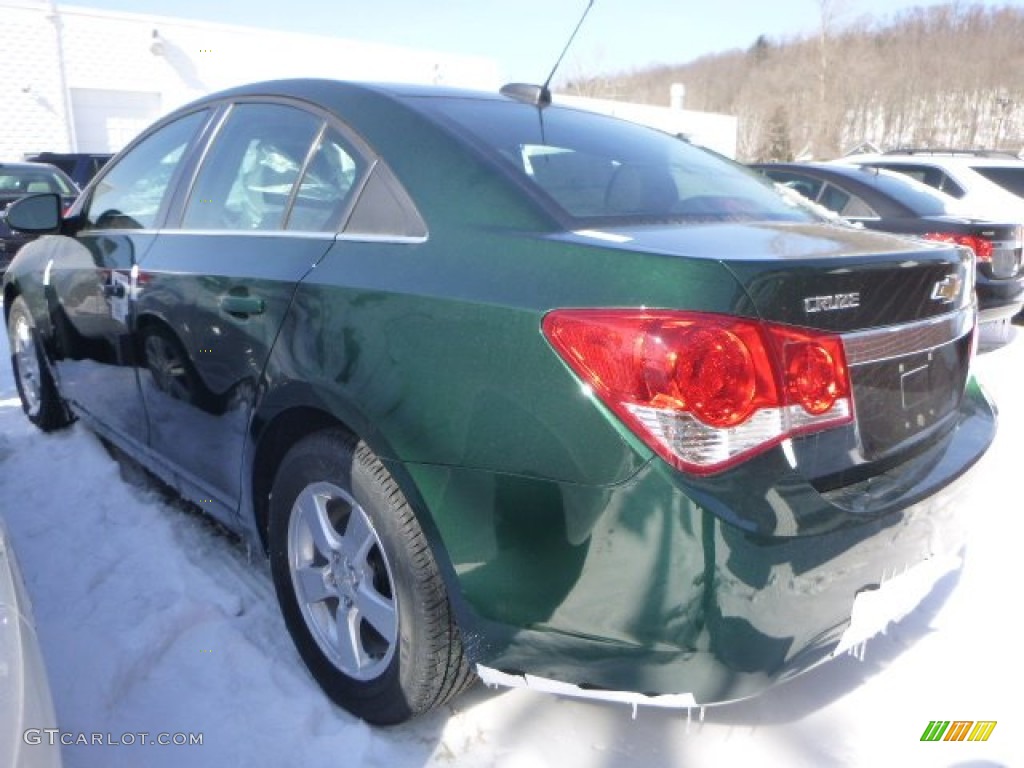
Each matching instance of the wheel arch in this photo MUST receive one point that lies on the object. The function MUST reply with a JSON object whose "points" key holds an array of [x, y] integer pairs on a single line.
{"points": [[273, 441], [274, 431]]}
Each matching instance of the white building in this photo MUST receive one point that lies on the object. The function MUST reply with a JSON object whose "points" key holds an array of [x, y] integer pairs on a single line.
{"points": [[708, 129], [85, 80]]}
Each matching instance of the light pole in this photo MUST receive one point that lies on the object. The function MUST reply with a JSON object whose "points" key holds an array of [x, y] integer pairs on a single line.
{"points": [[69, 118]]}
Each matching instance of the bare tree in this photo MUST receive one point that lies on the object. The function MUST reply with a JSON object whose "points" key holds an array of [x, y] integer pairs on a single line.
{"points": [[941, 75]]}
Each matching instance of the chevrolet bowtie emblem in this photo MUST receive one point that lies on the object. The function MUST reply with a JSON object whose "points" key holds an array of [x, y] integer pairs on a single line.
{"points": [[947, 290]]}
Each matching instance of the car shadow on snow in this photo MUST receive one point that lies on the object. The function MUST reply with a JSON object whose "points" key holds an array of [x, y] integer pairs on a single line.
{"points": [[614, 736]]}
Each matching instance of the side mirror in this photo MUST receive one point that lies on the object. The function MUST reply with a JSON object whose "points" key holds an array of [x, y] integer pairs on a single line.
{"points": [[35, 214]]}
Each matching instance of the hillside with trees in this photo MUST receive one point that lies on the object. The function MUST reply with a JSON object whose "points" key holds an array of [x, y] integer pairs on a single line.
{"points": [[941, 76]]}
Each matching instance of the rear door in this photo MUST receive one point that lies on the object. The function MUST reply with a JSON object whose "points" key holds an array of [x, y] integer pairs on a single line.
{"points": [[264, 207]]}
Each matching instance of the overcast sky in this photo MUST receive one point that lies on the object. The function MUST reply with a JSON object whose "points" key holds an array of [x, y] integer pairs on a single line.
{"points": [[525, 36]]}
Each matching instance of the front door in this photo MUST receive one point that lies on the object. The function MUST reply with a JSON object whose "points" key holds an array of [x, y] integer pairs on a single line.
{"points": [[91, 281]]}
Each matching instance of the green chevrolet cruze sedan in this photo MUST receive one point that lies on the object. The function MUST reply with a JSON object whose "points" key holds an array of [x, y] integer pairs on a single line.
{"points": [[510, 390]]}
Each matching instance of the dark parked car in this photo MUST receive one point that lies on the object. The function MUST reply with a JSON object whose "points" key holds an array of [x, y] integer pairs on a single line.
{"points": [[18, 180], [891, 202], [512, 389], [80, 166]]}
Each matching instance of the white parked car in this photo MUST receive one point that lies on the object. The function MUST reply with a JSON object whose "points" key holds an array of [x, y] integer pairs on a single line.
{"points": [[989, 185], [26, 708]]}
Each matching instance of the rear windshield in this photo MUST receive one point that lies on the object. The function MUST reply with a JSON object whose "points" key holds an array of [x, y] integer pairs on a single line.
{"points": [[30, 181], [592, 167], [1010, 179], [920, 199]]}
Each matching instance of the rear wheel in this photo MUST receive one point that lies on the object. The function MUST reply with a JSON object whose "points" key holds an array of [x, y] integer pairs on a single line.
{"points": [[359, 589], [36, 387]]}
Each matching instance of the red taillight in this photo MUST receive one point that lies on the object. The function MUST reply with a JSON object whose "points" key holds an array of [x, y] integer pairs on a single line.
{"points": [[703, 390], [815, 369], [982, 248]]}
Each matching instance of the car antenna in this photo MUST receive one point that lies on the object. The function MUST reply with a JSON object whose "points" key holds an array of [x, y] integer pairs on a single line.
{"points": [[540, 95]]}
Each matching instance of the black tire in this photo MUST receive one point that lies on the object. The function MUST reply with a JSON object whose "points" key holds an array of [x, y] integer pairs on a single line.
{"points": [[401, 654], [40, 399]]}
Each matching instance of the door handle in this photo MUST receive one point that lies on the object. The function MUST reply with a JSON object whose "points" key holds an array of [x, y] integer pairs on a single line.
{"points": [[241, 306]]}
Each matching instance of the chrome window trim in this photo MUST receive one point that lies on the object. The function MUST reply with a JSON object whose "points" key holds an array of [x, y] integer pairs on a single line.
{"points": [[279, 233], [355, 237]]}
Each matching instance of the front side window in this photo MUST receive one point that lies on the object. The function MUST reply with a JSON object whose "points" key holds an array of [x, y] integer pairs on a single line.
{"points": [[131, 193], [247, 179], [596, 168]]}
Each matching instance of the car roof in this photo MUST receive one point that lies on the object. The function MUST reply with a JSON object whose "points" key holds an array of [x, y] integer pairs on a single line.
{"points": [[936, 158], [325, 91], [863, 181], [385, 116], [64, 156], [862, 176], [27, 166], [846, 170]]}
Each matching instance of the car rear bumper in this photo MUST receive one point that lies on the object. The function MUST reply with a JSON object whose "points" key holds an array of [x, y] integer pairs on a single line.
{"points": [[640, 589], [873, 609]]}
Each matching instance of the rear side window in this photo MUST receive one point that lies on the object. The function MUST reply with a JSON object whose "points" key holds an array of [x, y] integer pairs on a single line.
{"points": [[131, 193], [247, 179], [326, 186], [1010, 179]]}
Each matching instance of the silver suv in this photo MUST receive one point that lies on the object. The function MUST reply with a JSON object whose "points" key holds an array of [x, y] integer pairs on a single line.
{"points": [[989, 185]]}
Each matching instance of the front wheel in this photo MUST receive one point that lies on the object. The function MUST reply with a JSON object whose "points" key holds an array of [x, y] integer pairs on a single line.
{"points": [[359, 589], [38, 392]]}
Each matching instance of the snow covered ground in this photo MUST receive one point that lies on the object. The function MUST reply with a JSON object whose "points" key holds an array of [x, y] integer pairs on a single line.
{"points": [[153, 621]]}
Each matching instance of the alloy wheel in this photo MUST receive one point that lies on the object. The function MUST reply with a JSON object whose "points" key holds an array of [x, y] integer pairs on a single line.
{"points": [[342, 581], [26, 356]]}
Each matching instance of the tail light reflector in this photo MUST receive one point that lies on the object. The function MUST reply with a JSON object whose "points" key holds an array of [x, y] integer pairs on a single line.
{"points": [[982, 248], [705, 391]]}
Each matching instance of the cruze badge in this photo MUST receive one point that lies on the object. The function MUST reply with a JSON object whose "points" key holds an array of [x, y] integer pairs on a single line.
{"points": [[832, 303], [947, 289]]}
